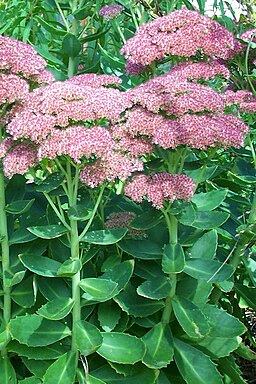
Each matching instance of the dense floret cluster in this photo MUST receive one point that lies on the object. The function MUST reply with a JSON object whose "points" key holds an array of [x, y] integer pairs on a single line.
{"points": [[111, 11]]}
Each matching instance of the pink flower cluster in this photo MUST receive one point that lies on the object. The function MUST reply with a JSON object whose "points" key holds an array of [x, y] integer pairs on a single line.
{"points": [[175, 96], [111, 11], [200, 70], [93, 80], [180, 33], [19, 58], [12, 88], [244, 100], [160, 187]]}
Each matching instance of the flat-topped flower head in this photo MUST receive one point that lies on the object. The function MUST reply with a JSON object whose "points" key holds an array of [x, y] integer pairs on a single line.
{"points": [[12, 88], [160, 187], [111, 11], [93, 80], [19, 159], [180, 33], [19, 58], [194, 71]]}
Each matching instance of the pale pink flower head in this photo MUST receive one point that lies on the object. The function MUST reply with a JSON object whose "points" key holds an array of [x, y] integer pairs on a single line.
{"points": [[111, 11], [194, 71], [95, 81], [110, 167], [19, 159], [19, 58], [180, 33], [160, 187], [244, 100], [12, 88]]}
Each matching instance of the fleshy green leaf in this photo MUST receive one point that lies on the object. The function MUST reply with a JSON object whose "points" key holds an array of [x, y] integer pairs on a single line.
{"points": [[87, 336], [194, 366], [120, 274], [209, 220], [56, 309], [50, 231], [22, 235], [221, 340], [209, 270], [24, 294], [248, 294], [189, 316], [209, 200], [40, 265], [12, 279], [69, 268], [141, 249], [50, 352], [108, 314], [104, 236], [173, 258], [136, 305], [205, 247], [30, 380], [78, 212], [156, 289], [138, 373], [146, 220], [121, 348], [35, 331], [52, 182], [53, 288], [159, 344], [19, 207], [98, 289], [7, 373], [63, 370]]}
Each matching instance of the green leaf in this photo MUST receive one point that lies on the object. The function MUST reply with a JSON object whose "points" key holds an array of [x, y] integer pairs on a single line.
{"points": [[209, 220], [221, 340], [205, 247], [108, 315], [30, 380], [78, 212], [48, 56], [50, 352], [250, 265], [141, 249], [98, 289], [52, 182], [120, 274], [13, 279], [209, 270], [228, 366], [138, 374], [37, 367], [19, 207], [48, 27], [50, 231], [94, 380], [156, 289], [173, 258], [53, 289], [20, 236], [40, 265], [63, 370], [35, 331], [209, 200], [7, 373], [56, 309], [24, 294], [194, 366], [121, 348], [104, 236], [189, 316], [159, 344], [136, 305], [94, 36], [71, 46], [87, 337], [245, 352], [146, 220], [69, 268], [247, 293]]}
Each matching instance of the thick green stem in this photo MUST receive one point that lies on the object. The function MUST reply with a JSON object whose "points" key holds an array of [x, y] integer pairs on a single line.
{"points": [[5, 258], [172, 224], [72, 63]]}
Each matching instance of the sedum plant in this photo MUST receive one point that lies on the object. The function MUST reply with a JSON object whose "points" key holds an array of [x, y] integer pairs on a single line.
{"points": [[115, 259]]}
